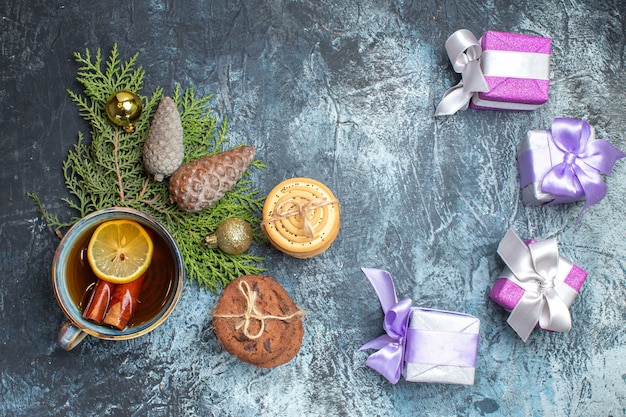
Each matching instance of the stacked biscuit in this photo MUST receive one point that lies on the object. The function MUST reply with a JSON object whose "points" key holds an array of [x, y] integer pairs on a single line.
{"points": [[301, 217], [255, 319]]}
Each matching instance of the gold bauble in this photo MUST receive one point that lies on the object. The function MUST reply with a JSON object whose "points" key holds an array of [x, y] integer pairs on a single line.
{"points": [[233, 236], [123, 108]]}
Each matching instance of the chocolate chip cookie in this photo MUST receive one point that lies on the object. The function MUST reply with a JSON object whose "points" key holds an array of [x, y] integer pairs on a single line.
{"points": [[256, 321]]}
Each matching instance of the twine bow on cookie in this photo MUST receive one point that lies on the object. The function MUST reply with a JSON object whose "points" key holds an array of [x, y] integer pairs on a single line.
{"points": [[252, 313], [303, 210]]}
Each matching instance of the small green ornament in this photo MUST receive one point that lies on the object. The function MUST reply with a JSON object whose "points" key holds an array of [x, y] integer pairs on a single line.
{"points": [[123, 108], [233, 236]]}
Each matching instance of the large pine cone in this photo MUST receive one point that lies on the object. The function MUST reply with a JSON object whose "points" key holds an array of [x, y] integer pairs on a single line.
{"points": [[163, 151], [198, 184]]}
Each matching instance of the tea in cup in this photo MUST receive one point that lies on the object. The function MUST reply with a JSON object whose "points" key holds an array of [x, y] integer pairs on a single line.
{"points": [[74, 281]]}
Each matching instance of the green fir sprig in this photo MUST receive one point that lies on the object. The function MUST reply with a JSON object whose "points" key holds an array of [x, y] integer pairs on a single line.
{"points": [[109, 170]]}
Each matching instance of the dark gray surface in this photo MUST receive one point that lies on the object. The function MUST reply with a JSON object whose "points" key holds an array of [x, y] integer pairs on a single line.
{"points": [[344, 92]]}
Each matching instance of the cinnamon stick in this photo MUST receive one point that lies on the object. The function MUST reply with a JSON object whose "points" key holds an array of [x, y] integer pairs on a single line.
{"points": [[99, 301], [123, 303]]}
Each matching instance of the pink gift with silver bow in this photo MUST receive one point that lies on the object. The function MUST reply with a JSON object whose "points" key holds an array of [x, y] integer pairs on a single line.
{"points": [[537, 286], [501, 71]]}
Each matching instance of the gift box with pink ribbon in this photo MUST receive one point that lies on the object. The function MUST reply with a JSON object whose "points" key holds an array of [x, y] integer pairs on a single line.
{"points": [[537, 286], [501, 71], [564, 164], [423, 345]]}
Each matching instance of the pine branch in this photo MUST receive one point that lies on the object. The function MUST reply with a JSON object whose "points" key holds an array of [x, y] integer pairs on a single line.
{"points": [[109, 170]]}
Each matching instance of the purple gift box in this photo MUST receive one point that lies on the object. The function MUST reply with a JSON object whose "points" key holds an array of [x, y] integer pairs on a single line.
{"points": [[537, 286], [517, 70], [508, 294], [563, 164]]}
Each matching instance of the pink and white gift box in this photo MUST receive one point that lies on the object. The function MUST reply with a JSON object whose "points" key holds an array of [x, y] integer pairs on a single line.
{"points": [[537, 286], [517, 70], [501, 71]]}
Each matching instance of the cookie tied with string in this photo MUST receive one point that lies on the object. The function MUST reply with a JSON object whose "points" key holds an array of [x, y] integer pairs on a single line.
{"points": [[301, 217], [256, 321]]}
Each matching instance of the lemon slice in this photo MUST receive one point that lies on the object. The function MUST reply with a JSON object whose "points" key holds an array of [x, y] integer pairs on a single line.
{"points": [[119, 251]]}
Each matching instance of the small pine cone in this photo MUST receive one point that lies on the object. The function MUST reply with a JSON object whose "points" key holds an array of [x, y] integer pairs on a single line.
{"points": [[200, 183], [163, 151]]}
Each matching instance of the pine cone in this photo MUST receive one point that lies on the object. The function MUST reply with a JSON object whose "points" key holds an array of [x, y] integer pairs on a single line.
{"points": [[198, 184], [163, 151]]}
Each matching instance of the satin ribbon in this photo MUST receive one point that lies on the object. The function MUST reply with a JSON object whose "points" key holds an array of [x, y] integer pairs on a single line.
{"points": [[464, 52], [537, 263], [585, 158], [436, 347], [389, 358], [401, 343], [515, 64]]}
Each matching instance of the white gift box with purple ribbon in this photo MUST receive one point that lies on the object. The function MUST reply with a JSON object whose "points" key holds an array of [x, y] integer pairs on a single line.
{"points": [[564, 164], [441, 347], [423, 345]]}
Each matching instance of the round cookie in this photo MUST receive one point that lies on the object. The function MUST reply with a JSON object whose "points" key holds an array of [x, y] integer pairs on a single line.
{"points": [[256, 321], [301, 217]]}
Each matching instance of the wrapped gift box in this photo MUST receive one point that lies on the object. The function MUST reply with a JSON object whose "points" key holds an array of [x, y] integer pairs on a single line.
{"points": [[501, 71], [530, 294], [536, 155], [441, 347], [516, 68], [563, 164], [424, 345]]}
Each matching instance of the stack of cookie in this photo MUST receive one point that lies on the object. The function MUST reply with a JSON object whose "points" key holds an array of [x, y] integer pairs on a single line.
{"points": [[301, 217], [256, 321]]}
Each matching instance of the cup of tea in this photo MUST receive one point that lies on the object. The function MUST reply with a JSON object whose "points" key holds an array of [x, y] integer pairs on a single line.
{"points": [[73, 279]]}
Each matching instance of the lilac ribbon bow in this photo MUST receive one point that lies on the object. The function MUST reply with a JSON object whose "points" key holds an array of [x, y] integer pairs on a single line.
{"points": [[585, 158], [464, 52], [389, 358]]}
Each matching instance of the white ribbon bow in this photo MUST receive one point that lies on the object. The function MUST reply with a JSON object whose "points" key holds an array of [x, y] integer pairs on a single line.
{"points": [[464, 52], [546, 304]]}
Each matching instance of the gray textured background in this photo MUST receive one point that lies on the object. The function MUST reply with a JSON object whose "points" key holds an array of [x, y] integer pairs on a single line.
{"points": [[344, 92]]}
